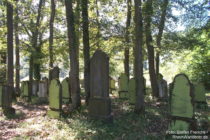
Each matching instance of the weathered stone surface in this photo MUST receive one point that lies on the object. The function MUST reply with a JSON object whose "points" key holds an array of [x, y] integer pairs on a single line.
{"points": [[181, 102], [99, 103], [25, 89], [43, 88], [55, 101], [111, 84], [66, 96], [55, 73], [199, 92], [35, 88], [163, 87], [123, 86]]}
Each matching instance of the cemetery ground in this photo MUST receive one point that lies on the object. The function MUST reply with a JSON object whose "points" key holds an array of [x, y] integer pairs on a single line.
{"points": [[31, 122]]}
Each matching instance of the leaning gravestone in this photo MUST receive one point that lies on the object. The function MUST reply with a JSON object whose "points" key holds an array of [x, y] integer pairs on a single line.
{"points": [[66, 99], [99, 103], [181, 103], [132, 91], [55, 101], [123, 86], [163, 88]]}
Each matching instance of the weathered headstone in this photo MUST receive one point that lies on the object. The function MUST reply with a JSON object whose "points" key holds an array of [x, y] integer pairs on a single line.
{"points": [[55, 101], [163, 88], [123, 86], [66, 98], [99, 103], [35, 88], [200, 98], [54, 73], [132, 91], [112, 84], [43, 88], [181, 103], [25, 89]]}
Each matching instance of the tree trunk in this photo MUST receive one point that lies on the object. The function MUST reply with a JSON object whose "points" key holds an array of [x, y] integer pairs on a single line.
{"points": [[160, 33], [8, 90], [17, 65], [34, 69], [98, 35], [127, 50], [74, 61], [86, 49], [52, 17], [138, 58], [150, 48]]}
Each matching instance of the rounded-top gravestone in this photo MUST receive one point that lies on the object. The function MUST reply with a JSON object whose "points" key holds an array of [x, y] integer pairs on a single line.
{"points": [[66, 98]]}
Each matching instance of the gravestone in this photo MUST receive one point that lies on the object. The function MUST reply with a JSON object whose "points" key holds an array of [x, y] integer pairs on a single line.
{"points": [[66, 98], [43, 88], [181, 103], [99, 103], [123, 86], [55, 101], [112, 84], [54, 73], [162, 87], [132, 91], [1, 94], [200, 91], [35, 88], [25, 89]]}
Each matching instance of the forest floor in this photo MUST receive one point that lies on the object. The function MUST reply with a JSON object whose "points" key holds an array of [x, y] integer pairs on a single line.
{"points": [[31, 122]]}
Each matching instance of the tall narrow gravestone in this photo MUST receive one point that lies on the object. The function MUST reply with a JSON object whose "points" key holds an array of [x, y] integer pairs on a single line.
{"points": [[25, 89], [181, 103], [99, 104], [123, 86], [43, 88], [66, 98], [111, 84], [55, 101], [162, 87], [35, 87], [200, 98]]}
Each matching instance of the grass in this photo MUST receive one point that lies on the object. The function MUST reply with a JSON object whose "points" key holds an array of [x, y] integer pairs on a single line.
{"points": [[126, 125]]}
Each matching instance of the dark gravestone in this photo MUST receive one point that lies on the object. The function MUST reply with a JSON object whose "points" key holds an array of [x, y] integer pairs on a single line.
{"points": [[55, 101], [181, 103], [99, 103], [54, 73]]}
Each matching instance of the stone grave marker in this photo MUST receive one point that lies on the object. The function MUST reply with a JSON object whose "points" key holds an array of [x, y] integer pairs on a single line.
{"points": [[123, 86], [25, 89], [162, 87], [35, 88], [43, 88], [66, 98], [55, 101], [200, 98], [112, 84], [181, 103], [132, 91], [99, 103]]}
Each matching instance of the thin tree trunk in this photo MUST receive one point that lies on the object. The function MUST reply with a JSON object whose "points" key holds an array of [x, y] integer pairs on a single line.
{"points": [[98, 36], [86, 49], [160, 33], [138, 58], [17, 65], [74, 62], [52, 17], [150, 48], [9, 89], [127, 50]]}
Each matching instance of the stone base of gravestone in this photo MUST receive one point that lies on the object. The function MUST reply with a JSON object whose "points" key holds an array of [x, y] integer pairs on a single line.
{"points": [[100, 108]]}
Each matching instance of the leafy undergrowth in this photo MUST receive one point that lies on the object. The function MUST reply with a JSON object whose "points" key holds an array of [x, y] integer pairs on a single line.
{"points": [[31, 122]]}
